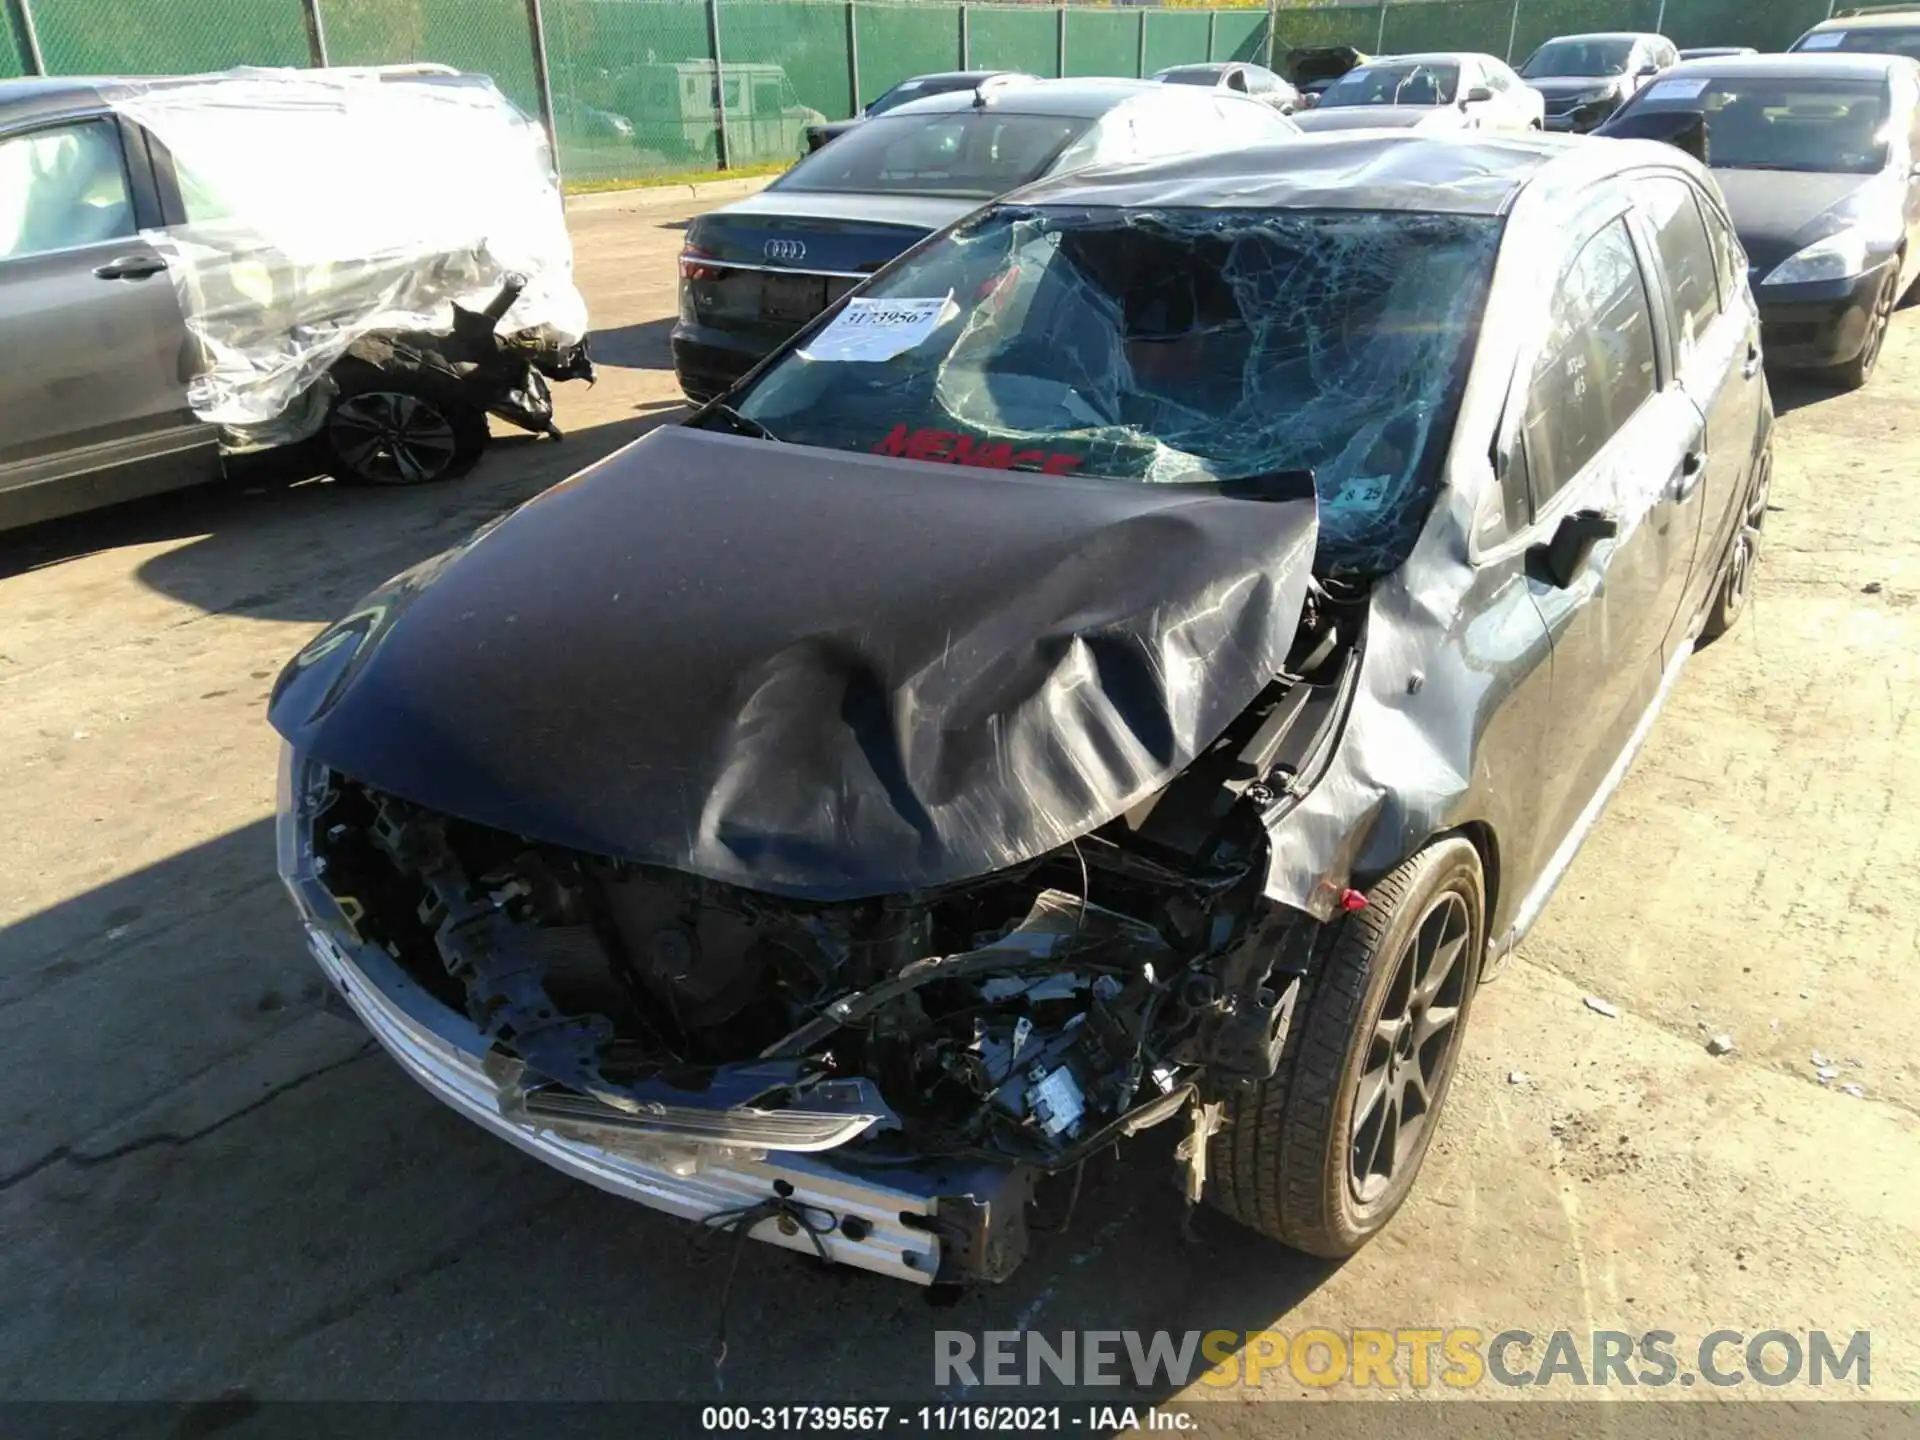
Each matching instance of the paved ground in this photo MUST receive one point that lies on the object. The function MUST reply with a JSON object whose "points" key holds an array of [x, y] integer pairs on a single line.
{"points": [[208, 1184]]}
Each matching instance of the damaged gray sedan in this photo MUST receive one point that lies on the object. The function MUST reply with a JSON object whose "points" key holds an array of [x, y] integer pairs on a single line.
{"points": [[1144, 658]]}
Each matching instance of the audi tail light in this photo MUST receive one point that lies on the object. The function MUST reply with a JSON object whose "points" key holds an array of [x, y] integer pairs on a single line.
{"points": [[692, 269]]}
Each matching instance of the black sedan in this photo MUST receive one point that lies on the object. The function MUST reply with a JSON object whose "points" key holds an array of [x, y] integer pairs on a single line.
{"points": [[943, 82], [1144, 658], [1811, 153], [754, 272]]}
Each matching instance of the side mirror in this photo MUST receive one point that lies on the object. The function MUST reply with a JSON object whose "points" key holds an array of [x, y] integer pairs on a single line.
{"points": [[1478, 95], [1647, 71], [1560, 560]]}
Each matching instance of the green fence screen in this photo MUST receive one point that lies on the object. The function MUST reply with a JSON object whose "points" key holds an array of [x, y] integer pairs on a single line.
{"points": [[1763, 24], [899, 41], [1482, 25], [1103, 42], [489, 36], [1541, 20], [127, 37], [1174, 37], [635, 89], [1240, 35], [1013, 37], [1345, 25]]}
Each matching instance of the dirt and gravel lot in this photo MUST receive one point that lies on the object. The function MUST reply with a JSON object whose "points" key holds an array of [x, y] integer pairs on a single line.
{"points": [[208, 1185]]}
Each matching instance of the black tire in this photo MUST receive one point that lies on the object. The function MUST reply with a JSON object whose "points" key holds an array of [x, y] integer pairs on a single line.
{"points": [[1284, 1164], [400, 429], [1736, 581], [1857, 372]]}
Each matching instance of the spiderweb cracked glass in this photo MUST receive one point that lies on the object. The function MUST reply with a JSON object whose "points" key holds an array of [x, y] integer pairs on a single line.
{"points": [[1195, 344]]}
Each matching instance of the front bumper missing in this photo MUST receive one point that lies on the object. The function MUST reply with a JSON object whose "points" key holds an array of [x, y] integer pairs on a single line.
{"points": [[909, 1224]]}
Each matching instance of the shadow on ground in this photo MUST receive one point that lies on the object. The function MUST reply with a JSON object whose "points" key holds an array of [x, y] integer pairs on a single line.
{"points": [[278, 541], [1794, 391], [320, 1227], [642, 346]]}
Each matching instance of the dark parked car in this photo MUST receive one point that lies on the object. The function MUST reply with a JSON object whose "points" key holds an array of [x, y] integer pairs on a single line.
{"points": [[1885, 30], [1144, 658], [919, 87], [755, 272], [1585, 78], [1814, 156], [164, 308], [1312, 68], [1241, 78]]}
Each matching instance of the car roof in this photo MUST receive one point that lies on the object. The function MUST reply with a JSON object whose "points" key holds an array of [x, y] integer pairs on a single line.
{"points": [[973, 75], [1088, 98], [1604, 35], [30, 96], [1889, 20], [1831, 64], [1465, 173], [1424, 57], [1197, 66], [37, 95]]}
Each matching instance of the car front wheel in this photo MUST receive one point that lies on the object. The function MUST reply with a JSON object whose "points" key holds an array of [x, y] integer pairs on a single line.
{"points": [[1321, 1156], [393, 430], [1858, 371]]}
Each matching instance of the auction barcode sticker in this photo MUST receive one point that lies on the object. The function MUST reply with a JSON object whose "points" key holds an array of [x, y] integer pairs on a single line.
{"points": [[869, 329]]}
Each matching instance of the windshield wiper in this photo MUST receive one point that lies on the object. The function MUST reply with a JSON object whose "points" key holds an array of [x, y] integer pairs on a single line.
{"points": [[736, 422]]}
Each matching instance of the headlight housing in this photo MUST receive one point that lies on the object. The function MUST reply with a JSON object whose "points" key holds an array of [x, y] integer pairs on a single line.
{"points": [[1841, 256], [301, 793]]}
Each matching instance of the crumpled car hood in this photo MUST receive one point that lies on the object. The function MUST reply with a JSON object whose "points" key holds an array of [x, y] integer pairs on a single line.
{"points": [[810, 672]]}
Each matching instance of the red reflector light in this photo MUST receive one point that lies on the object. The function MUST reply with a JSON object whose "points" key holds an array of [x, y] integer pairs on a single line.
{"points": [[1352, 900], [692, 269]]}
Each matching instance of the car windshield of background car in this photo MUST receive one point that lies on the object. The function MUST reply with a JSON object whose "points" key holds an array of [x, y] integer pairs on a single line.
{"points": [[973, 154], [1394, 85], [1596, 58], [1783, 123]]}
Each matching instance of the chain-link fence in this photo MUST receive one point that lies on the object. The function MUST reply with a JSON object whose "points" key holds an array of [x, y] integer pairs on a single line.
{"points": [[1514, 29], [641, 88]]}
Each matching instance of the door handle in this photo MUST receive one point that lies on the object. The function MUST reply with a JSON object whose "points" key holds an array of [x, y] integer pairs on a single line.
{"points": [[1692, 469], [130, 267], [1752, 367]]}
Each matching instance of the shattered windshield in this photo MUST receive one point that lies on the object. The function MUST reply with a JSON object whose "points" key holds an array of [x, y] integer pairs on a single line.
{"points": [[1162, 346], [1412, 84]]}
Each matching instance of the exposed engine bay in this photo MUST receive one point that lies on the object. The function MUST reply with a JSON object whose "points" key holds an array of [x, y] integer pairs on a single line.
{"points": [[1025, 1018]]}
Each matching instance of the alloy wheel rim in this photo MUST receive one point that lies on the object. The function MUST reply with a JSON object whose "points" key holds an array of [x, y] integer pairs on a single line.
{"points": [[1742, 570], [1409, 1051], [392, 437], [1882, 322]]}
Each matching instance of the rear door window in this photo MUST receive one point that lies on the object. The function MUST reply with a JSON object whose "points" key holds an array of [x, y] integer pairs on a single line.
{"points": [[1597, 367], [1686, 255]]}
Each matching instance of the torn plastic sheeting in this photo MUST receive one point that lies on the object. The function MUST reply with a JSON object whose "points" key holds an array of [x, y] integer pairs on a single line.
{"points": [[321, 208]]}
